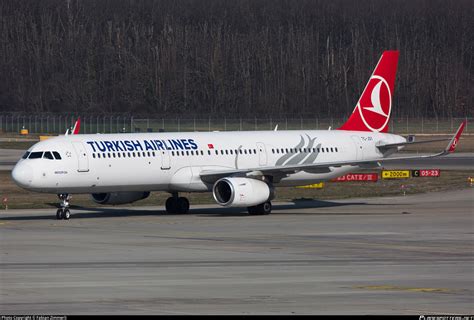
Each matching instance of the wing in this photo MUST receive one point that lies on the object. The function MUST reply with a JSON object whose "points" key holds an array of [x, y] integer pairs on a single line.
{"points": [[279, 172]]}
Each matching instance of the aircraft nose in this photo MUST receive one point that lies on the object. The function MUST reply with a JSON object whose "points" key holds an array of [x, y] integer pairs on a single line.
{"points": [[22, 174]]}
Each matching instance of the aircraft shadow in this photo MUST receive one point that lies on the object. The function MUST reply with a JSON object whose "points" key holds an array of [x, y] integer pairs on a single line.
{"points": [[285, 209], [78, 212]]}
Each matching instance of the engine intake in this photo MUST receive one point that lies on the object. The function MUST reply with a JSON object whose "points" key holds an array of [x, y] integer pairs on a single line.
{"points": [[240, 192], [119, 197]]}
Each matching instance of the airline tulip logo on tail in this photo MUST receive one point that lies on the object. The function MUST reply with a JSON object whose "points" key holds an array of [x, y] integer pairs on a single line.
{"points": [[372, 112], [374, 109]]}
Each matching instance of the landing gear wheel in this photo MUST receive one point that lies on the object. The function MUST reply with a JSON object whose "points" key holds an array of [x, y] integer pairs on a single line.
{"points": [[177, 205], [263, 209], [266, 207], [183, 205], [66, 214], [171, 205], [59, 214]]}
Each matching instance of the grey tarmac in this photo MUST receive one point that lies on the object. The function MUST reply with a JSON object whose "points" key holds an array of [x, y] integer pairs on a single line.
{"points": [[393, 255]]}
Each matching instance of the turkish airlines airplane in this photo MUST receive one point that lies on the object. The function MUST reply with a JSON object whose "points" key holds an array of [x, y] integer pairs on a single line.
{"points": [[241, 168]]}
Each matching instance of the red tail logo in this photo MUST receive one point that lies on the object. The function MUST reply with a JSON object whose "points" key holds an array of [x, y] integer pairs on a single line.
{"points": [[372, 112]]}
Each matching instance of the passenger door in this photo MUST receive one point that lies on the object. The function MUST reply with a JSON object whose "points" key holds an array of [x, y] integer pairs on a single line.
{"points": [[165, 160], [262, 154], [82, 159], [358, 147]]}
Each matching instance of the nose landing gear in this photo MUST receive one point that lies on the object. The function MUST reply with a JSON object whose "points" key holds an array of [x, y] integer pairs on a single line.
{"points": [[63, 212]]}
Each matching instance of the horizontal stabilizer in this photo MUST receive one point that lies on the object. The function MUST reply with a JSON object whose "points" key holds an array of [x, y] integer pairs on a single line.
{"points": [[384, 147]]}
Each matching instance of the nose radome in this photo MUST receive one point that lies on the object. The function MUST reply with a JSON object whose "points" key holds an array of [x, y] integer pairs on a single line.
{"points": [[22, 174]]}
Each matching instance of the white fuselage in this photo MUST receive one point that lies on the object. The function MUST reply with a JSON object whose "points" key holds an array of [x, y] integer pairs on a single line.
{"points": [[172, 162]]}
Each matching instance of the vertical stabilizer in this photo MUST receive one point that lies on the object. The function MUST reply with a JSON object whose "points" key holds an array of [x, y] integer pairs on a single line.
{"points": [[372, 112]]}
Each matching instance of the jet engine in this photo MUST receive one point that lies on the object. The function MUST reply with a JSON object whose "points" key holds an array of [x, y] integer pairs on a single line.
{"points": [[240, 192], [119, 197]]}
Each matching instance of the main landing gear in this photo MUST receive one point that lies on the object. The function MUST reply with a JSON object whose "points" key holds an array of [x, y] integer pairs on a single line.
{"points": [[264, 208], [63, 212], [177, 204]]}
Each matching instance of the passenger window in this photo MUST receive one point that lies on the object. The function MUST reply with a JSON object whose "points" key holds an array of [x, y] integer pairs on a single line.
{"points": [[36, 155], [26, 155], [93, 155], [48, 155], [209, 152]]}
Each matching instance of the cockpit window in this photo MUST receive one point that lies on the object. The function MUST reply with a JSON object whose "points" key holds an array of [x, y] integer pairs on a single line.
{"points": [[35, 155], [56, 155], [27, 153], [48, 155]]}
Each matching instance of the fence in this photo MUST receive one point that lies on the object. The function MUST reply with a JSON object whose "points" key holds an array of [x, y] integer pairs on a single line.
{"points": [[57, 124]]}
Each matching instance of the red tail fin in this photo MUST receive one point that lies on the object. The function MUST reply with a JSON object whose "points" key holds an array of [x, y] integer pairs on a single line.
{"points": [[77, 126], [372, 112]]}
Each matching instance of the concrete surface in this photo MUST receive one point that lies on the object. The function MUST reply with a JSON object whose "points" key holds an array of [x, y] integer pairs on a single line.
{"points": [[398, 255]]}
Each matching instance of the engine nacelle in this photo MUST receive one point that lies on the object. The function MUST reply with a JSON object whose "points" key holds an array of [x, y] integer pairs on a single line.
{"points": [[240, 192], [119, 197]]}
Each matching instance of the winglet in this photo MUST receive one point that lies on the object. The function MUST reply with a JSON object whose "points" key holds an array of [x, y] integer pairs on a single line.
{"points": [[77, 126], [454, 141]]}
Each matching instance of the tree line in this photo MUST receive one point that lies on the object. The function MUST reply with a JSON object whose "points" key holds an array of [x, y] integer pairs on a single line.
{"points": [[239, 57]]}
